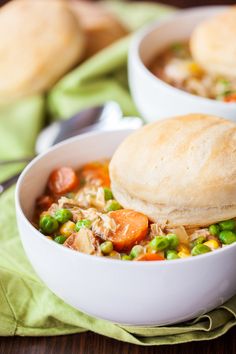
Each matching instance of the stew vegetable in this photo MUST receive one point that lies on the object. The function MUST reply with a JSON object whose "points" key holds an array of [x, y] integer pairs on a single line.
{"points": [[78, 211], [176, 66]]}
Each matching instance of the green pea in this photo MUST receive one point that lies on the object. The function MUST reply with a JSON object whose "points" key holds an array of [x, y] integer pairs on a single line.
{"points": [[48, 224], [107, 193], [159, 243], [227, 225], [60, 239], [126, 257], [136, 251], [82, 182], [199, 240], [173, 241], [171, 254], [214, 229], [227, 237], [112, 205], [63, 215], [223, 94], [106, 247], [177, 47], [84, 223], [200, 249], [224, 82], [70, 195]]}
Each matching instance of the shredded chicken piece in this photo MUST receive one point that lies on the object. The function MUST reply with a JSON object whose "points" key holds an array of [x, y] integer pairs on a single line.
{"points": [[71, 205], [157, 230], [103, 226], [83, 241], [109, 222], [196, 86], [199, 233], [91, 196], [53, 208], [67, 203], [92, 214], [181, 233], [177, 69], [83, 197], [99, 201]]}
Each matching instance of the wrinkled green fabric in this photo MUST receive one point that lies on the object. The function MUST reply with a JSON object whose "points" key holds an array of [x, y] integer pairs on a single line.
{"points": [[27, 307], [104, 77]]}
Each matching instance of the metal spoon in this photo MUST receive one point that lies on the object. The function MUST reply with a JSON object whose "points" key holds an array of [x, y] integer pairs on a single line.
{"points": [[62, 130], [106, 117]]}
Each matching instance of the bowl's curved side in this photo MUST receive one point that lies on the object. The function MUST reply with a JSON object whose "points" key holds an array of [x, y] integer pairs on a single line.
{"points": [[154, 98], [135, 293]]}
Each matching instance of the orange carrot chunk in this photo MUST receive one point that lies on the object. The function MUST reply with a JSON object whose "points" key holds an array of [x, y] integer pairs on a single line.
{"points": [[230, 98], [96, 171], [63, 180], [150, 257], [44, 202], [131, 228]]}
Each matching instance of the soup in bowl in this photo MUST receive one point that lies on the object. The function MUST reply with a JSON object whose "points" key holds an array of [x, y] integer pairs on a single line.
{"points": [[114, 284], [164, 78]]}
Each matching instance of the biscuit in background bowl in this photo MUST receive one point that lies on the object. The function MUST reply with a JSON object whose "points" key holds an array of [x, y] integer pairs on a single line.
{"points": [[213, 43], [154, 97]]}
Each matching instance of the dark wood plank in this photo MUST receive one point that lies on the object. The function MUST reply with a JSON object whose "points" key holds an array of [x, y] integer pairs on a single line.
{"points": [[89, 343], [189, 3]]}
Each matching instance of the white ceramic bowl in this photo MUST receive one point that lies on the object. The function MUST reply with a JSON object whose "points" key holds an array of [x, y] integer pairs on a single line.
{"points": [[154, 98], [135, 293]]}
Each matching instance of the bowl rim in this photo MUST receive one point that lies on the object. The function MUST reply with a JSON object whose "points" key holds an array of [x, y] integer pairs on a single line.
{"points": [[94, 258], [140, 36]]}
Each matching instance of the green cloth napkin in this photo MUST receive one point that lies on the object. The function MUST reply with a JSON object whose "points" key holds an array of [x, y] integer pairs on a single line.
{"points": [[27, 307]]}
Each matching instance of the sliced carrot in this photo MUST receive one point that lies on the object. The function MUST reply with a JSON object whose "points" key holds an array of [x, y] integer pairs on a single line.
{"points": [[63, 180], [150, 257], [96, 171], [131, 228], [44, 202], [230, 98]]}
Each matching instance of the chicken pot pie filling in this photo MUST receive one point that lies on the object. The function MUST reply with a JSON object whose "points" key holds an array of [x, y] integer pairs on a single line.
{"points": [[175, 66], [78, 211]]}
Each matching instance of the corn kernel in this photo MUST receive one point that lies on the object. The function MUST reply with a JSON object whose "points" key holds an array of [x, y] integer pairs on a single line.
{"points": [[183, 254], [183, 248], [148, 249], [212, 244], [49, 237], [67, 228], [115, 255], [195, 69]]}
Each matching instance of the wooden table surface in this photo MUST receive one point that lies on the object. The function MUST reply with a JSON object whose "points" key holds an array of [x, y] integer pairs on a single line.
{"points": [[90, 343]]}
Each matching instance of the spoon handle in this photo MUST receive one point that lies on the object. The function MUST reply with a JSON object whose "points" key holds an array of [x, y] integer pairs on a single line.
{"points": [[12, 161], [8, 182]]}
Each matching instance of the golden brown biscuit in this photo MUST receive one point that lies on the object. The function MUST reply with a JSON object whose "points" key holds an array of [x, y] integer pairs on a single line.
{"points": [[213, 44], [101, 27], [39, 42], [180, 170]]}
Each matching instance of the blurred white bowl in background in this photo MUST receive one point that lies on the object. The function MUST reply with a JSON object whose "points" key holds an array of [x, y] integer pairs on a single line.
{"points": [[154, 98]]}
